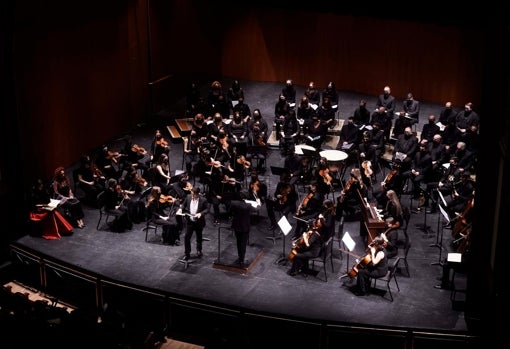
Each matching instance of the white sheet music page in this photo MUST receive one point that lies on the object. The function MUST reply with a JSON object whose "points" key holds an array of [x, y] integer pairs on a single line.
{"points": [[284, 225], [348, 241]]}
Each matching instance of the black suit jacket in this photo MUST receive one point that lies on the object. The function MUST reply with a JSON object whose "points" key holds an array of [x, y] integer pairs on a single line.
{"points": [[240, 215], [203, 208]]}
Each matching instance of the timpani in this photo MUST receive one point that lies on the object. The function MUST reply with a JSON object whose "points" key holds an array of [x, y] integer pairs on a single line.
{"points": [[335, 159]]}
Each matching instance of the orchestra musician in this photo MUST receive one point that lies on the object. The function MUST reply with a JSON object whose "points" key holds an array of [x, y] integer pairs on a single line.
{"points": [[51, 222], [348, 200], [134, 185], [283, 201], [394, 180], [90, 179], [394, 218], [115, 201], [307, 247], [158, 146], [161, 212], [162, 174], [70, 204], [308, 208], [221, 190], [323, 177], [377, 266], [108, 163]]}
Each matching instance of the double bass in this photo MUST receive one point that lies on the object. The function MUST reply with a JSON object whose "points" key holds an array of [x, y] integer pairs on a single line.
{"points": [[462, 228]]}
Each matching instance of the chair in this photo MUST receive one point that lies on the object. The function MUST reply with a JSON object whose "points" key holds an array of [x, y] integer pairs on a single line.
{"points": [[150, 225], [405, 244], [325, 254], [390, 274], [103, 211]]}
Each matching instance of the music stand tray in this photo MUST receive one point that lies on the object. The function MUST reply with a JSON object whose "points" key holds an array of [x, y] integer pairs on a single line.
{"points": [[311, 153], [278, 171]]}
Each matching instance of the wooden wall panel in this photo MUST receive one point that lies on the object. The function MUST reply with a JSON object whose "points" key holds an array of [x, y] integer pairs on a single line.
{"points": [[435, 62]]}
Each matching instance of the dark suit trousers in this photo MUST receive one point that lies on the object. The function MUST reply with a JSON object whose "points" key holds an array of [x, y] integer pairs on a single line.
{"points": [[193, 227], [242, 241]]}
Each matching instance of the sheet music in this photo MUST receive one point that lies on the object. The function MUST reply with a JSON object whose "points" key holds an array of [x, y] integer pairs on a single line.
{"points": [[348, 241], [444, 213], [253, 203], [314, 106], [53, 204], [442, 198], [284, 225], [454, 257]]}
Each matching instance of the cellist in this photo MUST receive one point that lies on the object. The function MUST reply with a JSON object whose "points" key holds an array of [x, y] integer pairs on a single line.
{"points": [[376, 268], [309, 246]]}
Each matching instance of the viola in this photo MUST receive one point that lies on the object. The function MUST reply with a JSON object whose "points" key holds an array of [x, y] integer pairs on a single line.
{"points": [[390, 175], [367, 166], [326, 176], [304, 203]]}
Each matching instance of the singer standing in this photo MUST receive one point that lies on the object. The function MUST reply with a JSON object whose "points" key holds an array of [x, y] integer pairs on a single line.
{"points": [[194, 208]]}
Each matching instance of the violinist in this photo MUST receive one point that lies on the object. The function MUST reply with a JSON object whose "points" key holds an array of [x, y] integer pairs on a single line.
{"points": [[309, 208], [257, 189], [348, 200], [283, 201], [107, 162], [323, 177], [162, 212], [90, 179], [394, 180], [376, 268], [162, 174], [221, 190], [158, 146], [191, 147], [307, 247], [115, 202], [134, 185], [134, 155]]}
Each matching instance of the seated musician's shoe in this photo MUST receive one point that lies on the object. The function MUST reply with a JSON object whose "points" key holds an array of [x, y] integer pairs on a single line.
{"points": [[199, 254], [185, 258], [292, 272], [431, 210]]}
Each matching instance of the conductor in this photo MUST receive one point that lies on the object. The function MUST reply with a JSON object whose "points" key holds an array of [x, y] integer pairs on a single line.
{"points": [[241, 225]]}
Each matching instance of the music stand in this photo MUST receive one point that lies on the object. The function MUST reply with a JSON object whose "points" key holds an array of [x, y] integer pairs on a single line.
{"points": [[240, 147], [278, 171], [424, 227], [439, 240], [285, 227], [349, 243]]}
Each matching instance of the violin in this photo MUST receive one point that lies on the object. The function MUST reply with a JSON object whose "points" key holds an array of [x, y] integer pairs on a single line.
{"points": [[347, 188], [162, 142], [242, 160], [390, 175], [215, 163], [139, 150], [113, 155], [326, 176], [166, 198]]}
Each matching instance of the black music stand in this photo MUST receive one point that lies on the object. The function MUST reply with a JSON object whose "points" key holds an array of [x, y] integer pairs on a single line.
{"points": [[278, 171], [285, 227], [349, 243], [424, 227], [439, 237], [315, 155]]}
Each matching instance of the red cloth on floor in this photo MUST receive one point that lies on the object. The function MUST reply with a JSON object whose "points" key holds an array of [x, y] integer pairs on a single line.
{"points": [[54, 225]]}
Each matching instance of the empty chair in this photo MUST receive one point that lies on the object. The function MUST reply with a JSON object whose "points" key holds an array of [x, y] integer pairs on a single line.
{"points": [[325, 254], [388, 277]]}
